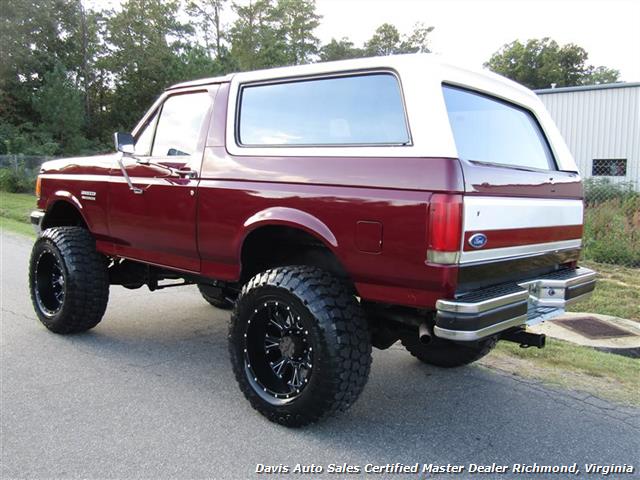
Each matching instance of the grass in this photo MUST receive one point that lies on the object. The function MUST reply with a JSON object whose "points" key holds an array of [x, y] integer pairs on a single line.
{"points": [[566, 365], [14, 212], [617, 292]]}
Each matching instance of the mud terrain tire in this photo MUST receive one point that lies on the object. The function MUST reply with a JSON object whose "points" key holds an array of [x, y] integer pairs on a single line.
{"points": [[212, 295], [447, 354], [325, 325], [68, 280]]}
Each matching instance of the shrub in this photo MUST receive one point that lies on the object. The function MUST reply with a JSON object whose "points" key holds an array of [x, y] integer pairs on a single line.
{"points": [[612, 231], [20, 181], [598, 190]]}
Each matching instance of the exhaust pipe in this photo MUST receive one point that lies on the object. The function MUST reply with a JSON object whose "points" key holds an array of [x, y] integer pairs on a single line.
{"points": [[424, 334]]}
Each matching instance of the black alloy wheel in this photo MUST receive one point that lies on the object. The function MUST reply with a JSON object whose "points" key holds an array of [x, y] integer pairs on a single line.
{"points": [[278, 352], [49, 283]]}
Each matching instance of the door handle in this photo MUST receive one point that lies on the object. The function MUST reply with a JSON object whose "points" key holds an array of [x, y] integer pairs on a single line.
{"points": [[186, 172]]}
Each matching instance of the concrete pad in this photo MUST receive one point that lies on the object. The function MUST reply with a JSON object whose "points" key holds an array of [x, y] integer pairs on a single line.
{"points": [[556, 330]]}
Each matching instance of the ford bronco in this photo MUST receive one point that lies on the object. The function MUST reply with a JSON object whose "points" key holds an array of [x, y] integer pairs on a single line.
{"points": [[333, 207]]}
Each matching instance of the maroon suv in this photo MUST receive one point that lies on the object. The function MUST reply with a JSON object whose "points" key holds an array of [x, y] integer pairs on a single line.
{"points": [[334, 207]]}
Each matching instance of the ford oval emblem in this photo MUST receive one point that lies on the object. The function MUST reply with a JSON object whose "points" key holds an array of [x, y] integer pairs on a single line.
{"points": [[478, 240]]}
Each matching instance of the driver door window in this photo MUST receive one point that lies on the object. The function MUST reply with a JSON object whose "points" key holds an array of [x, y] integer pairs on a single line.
{"points": [[145, 137], [180, 124]]}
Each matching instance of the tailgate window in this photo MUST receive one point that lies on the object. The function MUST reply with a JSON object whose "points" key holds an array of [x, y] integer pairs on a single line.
{"points": [[493, 131]]}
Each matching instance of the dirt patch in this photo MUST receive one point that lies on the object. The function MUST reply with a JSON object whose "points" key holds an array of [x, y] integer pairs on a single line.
{"points": [[597, 385]]}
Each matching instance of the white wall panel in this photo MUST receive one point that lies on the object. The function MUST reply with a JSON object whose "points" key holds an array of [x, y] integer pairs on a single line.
{"points": [[599, 123]]}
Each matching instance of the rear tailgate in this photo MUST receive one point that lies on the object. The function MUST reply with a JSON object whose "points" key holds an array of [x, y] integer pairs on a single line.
{"points": [[522, 216], [510, 237], [522, 221]]}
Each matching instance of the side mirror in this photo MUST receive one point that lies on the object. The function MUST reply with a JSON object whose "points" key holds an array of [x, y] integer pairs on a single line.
{"points": [[124, 142]]}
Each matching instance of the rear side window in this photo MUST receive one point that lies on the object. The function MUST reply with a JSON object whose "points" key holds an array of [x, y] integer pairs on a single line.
{"points": [[492, 131], [354, 110]]}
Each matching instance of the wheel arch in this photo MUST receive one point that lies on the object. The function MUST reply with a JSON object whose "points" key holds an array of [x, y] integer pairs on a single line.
{"points": [[286, 234], [294, 218], [63, 210]]}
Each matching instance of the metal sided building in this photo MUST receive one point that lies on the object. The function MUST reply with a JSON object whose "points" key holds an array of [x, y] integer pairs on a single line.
{"points": [[601, 125]]}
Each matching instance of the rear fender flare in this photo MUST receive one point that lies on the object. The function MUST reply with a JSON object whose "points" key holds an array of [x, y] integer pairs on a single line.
{"points": [[289, 217]]}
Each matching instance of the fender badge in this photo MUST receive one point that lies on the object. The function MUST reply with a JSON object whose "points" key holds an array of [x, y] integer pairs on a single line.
{"points": [[88, 195], [478, 240]]}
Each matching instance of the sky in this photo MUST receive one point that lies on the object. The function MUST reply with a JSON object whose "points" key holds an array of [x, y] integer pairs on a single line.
{"points": [[469, 31]]}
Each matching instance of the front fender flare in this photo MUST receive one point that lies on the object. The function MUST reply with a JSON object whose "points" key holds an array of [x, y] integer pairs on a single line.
{"points": [[67, 197]]}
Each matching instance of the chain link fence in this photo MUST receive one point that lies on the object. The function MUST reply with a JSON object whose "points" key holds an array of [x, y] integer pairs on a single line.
{"points": [[612, 207], [612, 215], [18, 172]]}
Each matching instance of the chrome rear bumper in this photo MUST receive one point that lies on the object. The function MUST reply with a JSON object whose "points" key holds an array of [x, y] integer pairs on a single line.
{"points": [[488, 312]]}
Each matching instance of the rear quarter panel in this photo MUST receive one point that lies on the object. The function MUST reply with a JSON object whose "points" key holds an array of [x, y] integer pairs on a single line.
{"points": [[234, 190]]}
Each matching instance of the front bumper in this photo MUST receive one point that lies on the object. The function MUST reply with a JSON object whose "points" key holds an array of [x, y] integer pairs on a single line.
{"points": [[491, 311], [36, 220]]}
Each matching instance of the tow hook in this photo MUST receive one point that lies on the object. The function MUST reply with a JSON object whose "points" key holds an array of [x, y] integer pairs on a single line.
{"points": [[524, 338]]}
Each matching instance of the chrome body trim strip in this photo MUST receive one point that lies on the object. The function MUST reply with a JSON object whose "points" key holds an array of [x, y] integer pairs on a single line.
{"points": [[506, 253]]}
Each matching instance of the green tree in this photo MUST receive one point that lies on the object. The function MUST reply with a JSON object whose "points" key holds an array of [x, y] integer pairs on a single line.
{"points": [[195, 62], [539, 63], [84, 65], [206, 15], [387, 40], [63, 41], [59, 104], [255, 40], [417, 41], [268, 34], [339, 50], [71, 74], [35, 35], [296, 20], [145, 41], [601, 75], [26, 138]]}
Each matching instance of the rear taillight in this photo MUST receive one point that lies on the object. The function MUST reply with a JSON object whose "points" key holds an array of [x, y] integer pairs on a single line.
{"points": [[445, 228]]}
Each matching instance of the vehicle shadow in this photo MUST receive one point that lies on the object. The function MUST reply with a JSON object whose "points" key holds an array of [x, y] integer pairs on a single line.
{"points": [[409, 412]]}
